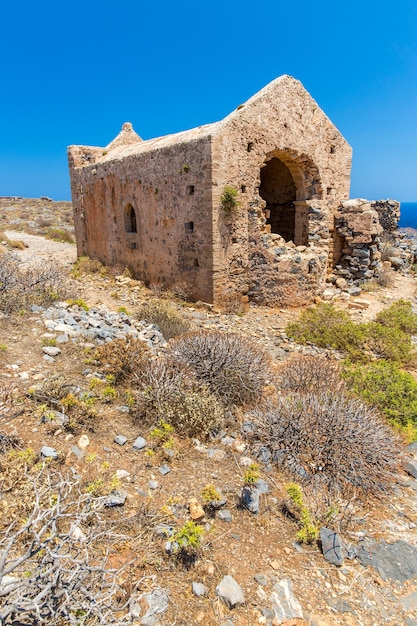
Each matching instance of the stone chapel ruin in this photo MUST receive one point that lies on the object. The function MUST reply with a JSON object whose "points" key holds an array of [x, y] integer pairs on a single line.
{"points": [[256, 204]]}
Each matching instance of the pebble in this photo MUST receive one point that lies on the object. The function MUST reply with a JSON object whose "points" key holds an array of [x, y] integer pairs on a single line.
{"points": [[225, 515], [139, 443], [120, 440], [199, 589], [49, 453], [230, 592]]}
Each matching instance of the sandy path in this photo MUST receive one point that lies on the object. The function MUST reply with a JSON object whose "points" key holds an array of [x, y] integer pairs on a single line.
{"points": [[41, 248]]}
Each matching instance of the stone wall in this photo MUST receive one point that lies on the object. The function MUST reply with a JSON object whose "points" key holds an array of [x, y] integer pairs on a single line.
{"points": [[169, 190], [248, 257]]}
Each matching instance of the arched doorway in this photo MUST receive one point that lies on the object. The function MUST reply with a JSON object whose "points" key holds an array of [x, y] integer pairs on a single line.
{"points": [[279, 191]]}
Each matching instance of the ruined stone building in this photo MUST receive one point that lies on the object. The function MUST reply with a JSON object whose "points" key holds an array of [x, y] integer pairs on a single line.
{"points": [[247, 205]]}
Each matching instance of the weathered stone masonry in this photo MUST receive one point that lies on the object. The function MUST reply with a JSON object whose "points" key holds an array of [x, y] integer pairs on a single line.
{"points": [[156, 206]]}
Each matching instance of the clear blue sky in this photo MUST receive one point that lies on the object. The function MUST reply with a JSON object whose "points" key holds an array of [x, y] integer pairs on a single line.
{"points": [[72, 72]]}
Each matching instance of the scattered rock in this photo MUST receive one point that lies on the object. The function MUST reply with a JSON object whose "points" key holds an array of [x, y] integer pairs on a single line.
{"points": [[230, 593], [83, 442], [116, 498], [164, 469], [284, 603], [250, 499], [196, 510], [224, 515], [120, 440], [332, 546], [139, 444], [157, 602], [199, 590], [49, 453], [409, 602], [411, 468], [397, 561]]}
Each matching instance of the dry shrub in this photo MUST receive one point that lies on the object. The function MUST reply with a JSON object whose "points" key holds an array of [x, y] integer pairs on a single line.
{"points": [[22, 284], [85, 265], [169, 320], [182, 291], [232, 367], [51, 390], [122, 357], [386, 277], [167, 391], [59, 234], [305, 374], [194, 413], [328, 441], [17, 244]]}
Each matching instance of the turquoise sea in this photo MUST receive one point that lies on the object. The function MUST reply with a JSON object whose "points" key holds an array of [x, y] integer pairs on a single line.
{"points": [[408, 218]]}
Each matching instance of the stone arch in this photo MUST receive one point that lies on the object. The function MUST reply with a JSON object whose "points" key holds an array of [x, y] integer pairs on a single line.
{"points": [[131, 222], [288, 181]]}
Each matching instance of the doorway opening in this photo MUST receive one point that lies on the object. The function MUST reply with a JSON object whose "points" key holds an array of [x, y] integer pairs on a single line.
{"points": [[279, 191]]}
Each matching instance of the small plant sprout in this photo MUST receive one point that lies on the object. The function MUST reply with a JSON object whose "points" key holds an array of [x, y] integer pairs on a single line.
{"points": [[189, 536], [210, 494], [308, 529], [251, 476]]}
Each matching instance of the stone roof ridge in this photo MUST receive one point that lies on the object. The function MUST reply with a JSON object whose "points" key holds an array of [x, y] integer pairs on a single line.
{"points": [[126, 137]]}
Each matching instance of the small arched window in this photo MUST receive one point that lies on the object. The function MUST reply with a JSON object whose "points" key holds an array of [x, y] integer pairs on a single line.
{"points": [[130, 219]]}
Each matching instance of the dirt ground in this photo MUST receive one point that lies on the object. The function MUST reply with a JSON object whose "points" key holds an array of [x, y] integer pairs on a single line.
{"points": [[247, 545]]}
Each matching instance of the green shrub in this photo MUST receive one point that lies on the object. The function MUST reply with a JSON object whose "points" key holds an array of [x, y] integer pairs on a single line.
{"points": [[389, 343], [59, 234], [327, 327], [328, 441], [399, 316], [232, 367], [389, 388], [169, 320], [228, 199]]}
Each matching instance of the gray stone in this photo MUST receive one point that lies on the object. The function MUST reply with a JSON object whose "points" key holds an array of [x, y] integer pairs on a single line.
{"points": [[153, 484], [51, 350], [230, 593], [332, 546], [120, 440], [78, 453], [409, 602], [261, 579], [199, 590], [262, 486], [284, 603], [48, 359], [56, 417], [164, 469], [116, 498], [397, 561], [340, 605], [250, 499], [157, 601], [411, 468], [139, 444], [224, 515], [49, 453]]}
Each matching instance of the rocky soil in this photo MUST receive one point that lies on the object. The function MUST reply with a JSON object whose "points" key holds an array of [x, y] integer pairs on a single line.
{"points": [[250, 570]]}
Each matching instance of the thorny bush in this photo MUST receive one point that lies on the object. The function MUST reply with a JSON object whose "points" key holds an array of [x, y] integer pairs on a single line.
{"points": [[327, 441], [168, 391], [231, 366], [22, 284], [305, 374]]}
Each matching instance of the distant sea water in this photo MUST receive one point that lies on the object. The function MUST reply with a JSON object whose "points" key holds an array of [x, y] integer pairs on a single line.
{"points": [[408, 217]]}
